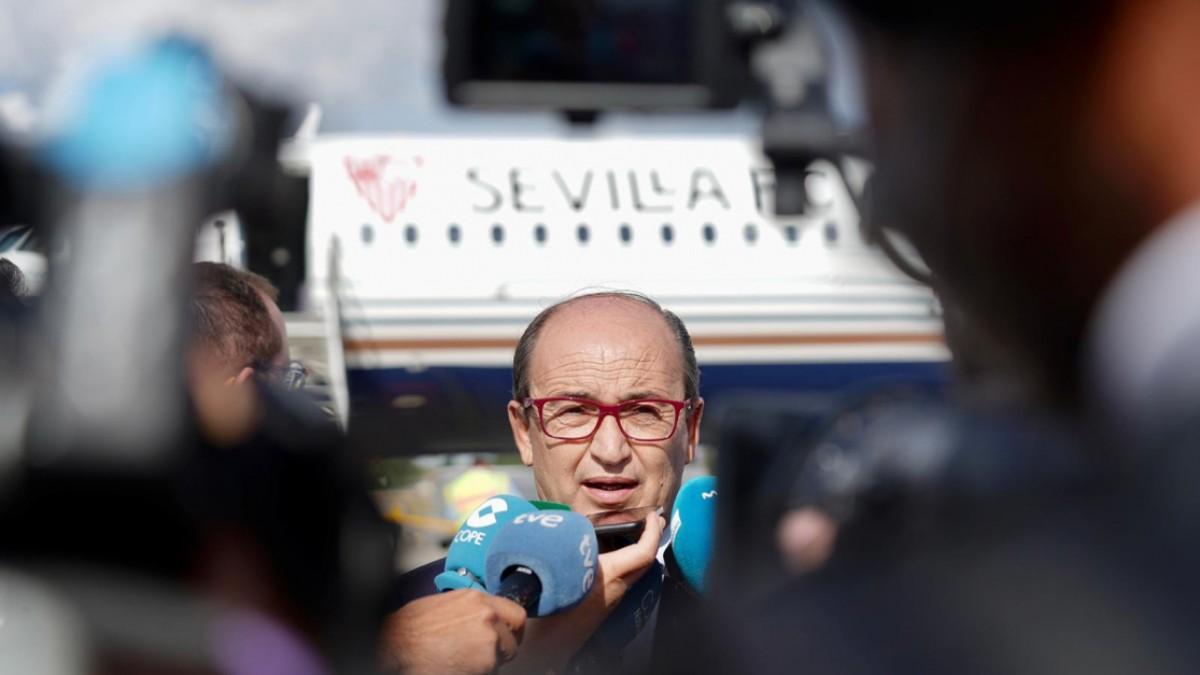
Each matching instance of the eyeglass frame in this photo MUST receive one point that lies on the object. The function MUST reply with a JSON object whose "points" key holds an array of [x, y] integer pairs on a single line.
{"points": [[605, 410], [293, 375]]}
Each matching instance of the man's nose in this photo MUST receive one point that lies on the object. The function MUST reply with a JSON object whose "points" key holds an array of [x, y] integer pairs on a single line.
{"points": [[609, 445]]}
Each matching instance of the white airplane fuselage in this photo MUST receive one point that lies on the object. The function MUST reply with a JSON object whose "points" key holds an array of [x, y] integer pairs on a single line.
{"points": [[447, 247]]}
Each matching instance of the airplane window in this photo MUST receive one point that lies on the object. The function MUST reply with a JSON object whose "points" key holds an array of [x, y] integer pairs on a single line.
{"points": [[626, 233], [498, 234], [792, 233], [710, 233], [831, 233], [668, 234], [410, 234], [582, 233], [751, 233], [368, 234], [454, 233], [539, 233]]}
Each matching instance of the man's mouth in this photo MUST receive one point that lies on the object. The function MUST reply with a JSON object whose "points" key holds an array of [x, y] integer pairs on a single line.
{"points": [[609, 491]]}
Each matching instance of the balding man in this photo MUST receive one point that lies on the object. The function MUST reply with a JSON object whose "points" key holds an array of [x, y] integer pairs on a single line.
{"points": [[606, 411], [577, 359]]}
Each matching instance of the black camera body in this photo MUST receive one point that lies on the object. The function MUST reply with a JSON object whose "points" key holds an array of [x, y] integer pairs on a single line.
{"points": [[592, 55]]}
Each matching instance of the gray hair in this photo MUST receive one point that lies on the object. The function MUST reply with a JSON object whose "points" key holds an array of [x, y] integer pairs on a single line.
{"points": [[524, 351]]}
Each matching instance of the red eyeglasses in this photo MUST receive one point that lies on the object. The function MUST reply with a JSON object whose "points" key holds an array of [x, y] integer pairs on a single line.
{"points": [[576, 419]]}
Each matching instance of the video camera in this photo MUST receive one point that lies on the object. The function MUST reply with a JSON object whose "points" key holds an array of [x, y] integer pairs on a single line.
{"points": [[592, 56]]}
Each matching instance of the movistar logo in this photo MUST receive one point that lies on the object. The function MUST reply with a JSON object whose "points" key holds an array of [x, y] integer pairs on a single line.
{"points": [[485, 515], [708, 495]]}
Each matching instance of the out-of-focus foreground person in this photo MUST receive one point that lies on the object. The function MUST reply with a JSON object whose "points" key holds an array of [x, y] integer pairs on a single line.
{"points": [[1044, 160], [236, 321]]}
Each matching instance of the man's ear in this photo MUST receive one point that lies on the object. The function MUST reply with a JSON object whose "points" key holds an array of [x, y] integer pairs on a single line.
{"points": [[241, 378], [522, 427], [693, 428]]}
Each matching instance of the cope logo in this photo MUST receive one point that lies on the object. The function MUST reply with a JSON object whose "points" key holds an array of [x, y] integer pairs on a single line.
{"points": [[485, 515], [387, 182], [470, 537]]}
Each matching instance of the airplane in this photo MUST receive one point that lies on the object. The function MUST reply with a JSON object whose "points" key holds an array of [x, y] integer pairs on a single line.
{"points": [[428, 255]]}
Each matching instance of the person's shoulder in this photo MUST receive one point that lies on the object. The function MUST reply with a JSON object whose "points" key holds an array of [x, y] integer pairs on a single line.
{"points": [[415, 584]]}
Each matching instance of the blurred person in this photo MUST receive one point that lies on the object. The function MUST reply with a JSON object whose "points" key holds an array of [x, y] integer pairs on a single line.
{"points": [[575, 360], [238, 332], [237, 324], [279, 497], [233, 556], [1028, 151], [1045, 163]]}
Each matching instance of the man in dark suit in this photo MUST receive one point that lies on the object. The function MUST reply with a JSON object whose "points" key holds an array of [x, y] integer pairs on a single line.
{"points": [[606, 411]]}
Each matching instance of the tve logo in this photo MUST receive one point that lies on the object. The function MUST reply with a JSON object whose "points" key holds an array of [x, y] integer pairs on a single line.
{"points": [[543, 519], [485, 515], [589, 562]]}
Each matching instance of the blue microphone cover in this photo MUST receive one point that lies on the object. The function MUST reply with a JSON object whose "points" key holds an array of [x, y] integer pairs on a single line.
{"points": [[467, 556], [692, 525], [559, 547]]}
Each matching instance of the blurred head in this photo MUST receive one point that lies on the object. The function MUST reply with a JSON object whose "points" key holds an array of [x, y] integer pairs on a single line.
{"points": [[1026, 149], [236, 323], [609, 348]]}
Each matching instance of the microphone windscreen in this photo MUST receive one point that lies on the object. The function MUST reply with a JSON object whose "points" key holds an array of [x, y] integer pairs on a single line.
{"points": [[467, 556], [559, 547], [693, 522]]}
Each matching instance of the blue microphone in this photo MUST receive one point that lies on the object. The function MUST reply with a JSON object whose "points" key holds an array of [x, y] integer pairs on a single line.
{"points": [[692, 525], [466, 558], [543, 561]]}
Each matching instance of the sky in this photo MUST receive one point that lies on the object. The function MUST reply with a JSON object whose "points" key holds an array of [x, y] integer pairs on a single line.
{"points": [[372, 65]]}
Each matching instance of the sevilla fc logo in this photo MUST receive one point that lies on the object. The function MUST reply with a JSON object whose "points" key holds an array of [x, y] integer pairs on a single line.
{"points": [[385, 181]]}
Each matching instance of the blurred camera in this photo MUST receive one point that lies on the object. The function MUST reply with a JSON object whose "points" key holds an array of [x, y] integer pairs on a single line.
{"points": [[592, 55]]}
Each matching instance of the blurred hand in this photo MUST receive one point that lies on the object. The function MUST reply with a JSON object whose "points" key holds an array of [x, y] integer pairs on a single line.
{"points": [[458, 632], [552, 641]]}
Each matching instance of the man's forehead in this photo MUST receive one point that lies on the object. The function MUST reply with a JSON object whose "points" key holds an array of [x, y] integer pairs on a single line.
{"points": [[613, 344]]}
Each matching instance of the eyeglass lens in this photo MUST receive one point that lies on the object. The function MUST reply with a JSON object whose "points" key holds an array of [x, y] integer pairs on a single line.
{"points": [[640, 420]]}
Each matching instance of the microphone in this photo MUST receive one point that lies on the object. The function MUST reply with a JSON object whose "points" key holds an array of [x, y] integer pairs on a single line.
{"points": [[692, 525], [467, 555], [544, 561]]}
